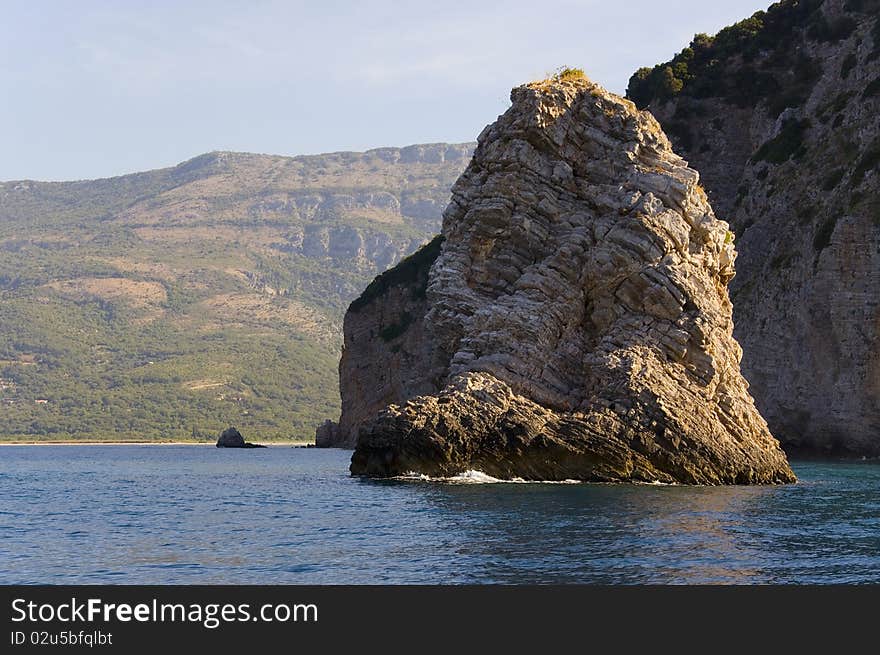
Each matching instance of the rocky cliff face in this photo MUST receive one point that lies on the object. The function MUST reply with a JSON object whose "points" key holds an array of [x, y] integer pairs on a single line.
{"points": [[576, 321], [781, 115], [385, 349]]}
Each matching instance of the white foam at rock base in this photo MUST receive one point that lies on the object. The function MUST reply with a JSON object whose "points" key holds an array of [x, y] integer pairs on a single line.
{"points": [[475, 477]]}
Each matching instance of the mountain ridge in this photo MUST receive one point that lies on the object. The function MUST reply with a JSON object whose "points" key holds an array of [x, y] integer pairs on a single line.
{"points": [[244, 153], [203, 294]]}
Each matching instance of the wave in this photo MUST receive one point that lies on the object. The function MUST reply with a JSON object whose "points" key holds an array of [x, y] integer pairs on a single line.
{"points": [[475, 477]]}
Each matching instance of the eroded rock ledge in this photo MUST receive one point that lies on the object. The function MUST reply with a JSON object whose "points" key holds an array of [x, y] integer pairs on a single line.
{"points": [[574, 324]]}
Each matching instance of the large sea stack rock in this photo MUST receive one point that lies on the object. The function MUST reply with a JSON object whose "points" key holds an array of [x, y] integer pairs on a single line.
{"points": [[781, 115], [574, 322]]}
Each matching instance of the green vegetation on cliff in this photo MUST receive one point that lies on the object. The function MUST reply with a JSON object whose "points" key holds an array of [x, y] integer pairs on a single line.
{"points": [[568, 74], [768, 68], [412, 271], [789, 143]]}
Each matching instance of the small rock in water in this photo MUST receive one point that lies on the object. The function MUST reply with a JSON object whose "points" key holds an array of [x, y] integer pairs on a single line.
{"points": [[327, 435], [231, 438]]}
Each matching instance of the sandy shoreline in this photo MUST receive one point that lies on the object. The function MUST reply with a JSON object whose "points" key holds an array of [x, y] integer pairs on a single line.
{"points": [[142, 443]]}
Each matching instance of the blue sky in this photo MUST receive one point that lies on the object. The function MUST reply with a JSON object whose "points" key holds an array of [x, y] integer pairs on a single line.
{"points": [[98, 88]]}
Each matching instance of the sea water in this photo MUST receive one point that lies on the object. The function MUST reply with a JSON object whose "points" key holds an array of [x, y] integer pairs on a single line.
{"points": [[196, 514]]}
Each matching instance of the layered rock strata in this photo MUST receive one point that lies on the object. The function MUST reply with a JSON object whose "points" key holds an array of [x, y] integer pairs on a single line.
{"points": [[573, 324], [781, 115]]}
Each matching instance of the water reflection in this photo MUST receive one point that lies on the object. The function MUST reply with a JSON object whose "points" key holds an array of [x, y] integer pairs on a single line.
{"points": [[601, 533]]}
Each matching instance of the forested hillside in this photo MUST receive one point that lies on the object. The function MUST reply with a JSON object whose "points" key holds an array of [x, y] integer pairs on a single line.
{"points": [[171, 303]]}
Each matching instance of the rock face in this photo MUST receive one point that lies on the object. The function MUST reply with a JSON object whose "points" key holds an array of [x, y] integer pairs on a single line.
{"points": [[781, 116], [231, 438], [385, 351], [574, 323], [327, 435]]}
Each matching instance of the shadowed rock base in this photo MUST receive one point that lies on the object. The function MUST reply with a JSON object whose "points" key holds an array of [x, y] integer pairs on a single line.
{"points": [[478, 423]]}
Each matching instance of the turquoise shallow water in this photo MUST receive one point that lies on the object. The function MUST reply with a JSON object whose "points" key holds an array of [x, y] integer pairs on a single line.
{"points": [[192, 514]]}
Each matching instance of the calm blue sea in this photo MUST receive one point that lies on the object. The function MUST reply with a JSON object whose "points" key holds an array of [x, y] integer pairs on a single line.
{"points": [[194, 514]]}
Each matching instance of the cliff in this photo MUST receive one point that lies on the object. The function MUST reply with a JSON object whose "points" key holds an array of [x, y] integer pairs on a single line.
{"points": [[780, 113], [575, 322], [384, 350]]}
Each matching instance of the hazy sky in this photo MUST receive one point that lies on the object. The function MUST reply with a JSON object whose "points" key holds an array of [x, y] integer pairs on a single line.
{"points": [[95, 89]]}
